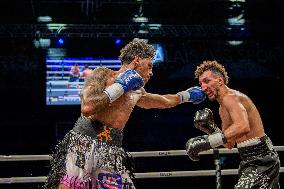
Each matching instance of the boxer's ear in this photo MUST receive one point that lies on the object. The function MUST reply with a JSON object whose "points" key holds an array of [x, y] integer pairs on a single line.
{"points": [[136, 61], [220, 81], [133, 64]]}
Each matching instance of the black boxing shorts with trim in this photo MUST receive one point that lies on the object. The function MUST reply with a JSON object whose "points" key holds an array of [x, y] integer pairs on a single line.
{"points": [[91, 156], [260, 164]]}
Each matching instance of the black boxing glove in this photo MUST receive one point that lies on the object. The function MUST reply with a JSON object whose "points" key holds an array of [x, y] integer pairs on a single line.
{"points": [[203, 143], [204, 121]]}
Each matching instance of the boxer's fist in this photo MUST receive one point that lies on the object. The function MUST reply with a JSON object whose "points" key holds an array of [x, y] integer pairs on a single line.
{"points": [[193, 94], [203, 143], [126, 81], [129, 80], [196, 145], [204, 121]]}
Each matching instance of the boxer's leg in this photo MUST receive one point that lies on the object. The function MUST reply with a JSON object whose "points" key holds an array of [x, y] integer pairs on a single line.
{"points": [[78, 163]]}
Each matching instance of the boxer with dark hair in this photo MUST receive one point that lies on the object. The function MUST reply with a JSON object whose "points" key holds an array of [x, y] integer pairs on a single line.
{"points": [[91, 154], [74, 73], [241, 124]]}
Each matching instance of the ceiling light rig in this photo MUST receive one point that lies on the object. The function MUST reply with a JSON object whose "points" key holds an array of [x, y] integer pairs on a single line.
{"points": [[145, 27], [236, 22]]}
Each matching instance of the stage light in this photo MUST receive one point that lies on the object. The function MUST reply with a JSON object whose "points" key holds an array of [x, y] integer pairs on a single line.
{"points": [[143, 29], [41, 43], [118, 41], [44, 19], [60, 41], [235, 42]]}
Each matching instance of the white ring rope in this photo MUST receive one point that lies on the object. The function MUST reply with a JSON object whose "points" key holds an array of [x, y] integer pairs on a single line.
{"points": [[13, 180], [188, 173], [40, 179], [134, 154]]}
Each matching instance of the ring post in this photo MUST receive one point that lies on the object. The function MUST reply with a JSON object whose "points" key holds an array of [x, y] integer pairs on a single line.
{"points": [[217, 168]]}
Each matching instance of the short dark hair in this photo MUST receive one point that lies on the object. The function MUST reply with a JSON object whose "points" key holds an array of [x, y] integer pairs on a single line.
{"points": [[213, 66], [136, 48]]}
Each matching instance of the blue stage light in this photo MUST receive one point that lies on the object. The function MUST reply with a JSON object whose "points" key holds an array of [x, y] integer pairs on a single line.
{"points": [[118, 41], [60, 41]]}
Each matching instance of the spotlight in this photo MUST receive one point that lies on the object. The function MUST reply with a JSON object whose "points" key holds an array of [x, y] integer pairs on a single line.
{"points": [[60, 41], [118, 41]]}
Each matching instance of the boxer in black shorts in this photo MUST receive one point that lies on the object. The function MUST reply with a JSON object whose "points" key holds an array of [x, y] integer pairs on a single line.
{"points": [[241, 125]]}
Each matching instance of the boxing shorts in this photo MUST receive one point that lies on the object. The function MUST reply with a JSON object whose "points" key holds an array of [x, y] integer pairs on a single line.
{"points": [[91, 157], [260, 164]]}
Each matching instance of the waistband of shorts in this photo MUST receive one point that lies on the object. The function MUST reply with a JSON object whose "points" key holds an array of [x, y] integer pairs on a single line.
{"points": [[98, 131], [255, 147]]}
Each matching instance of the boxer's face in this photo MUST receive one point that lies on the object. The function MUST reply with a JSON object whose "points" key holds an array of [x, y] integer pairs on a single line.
{"points": [[144, 68], [209, 84]]}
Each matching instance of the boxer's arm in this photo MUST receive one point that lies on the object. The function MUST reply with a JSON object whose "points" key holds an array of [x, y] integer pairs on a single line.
{"points": [[149, 100], [93, 99], [239, 117]]}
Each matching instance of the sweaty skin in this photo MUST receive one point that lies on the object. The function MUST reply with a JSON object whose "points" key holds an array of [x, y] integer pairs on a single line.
{"points": [[234, 107], [95, 103], [240, 118], [117, 113]]}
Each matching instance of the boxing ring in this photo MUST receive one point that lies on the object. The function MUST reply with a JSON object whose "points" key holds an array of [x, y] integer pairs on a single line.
{"points": [[217, 172]]}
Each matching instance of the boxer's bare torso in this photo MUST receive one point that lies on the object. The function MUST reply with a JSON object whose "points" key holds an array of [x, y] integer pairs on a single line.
{"points": [[254, 120]]}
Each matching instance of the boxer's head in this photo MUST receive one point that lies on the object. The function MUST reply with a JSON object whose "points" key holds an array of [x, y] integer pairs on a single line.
{"points": [[139, 56], [211, 76]]}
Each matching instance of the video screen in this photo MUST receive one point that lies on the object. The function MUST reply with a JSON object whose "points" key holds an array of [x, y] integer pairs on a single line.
{"points": [[65, 76], [159, 54]]}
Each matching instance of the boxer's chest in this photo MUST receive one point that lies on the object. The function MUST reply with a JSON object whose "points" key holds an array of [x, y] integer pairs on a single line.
{"points": [[225, 117]]}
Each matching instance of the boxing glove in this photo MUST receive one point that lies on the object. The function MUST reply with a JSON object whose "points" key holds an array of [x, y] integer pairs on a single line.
{"points": [[203, 143], [126, 81], [204, 121], [193, 94]]}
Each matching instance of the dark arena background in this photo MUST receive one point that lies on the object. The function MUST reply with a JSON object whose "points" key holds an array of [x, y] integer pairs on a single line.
{"points": [[41, 39]]}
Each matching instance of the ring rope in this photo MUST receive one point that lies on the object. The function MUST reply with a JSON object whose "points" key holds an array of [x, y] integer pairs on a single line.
{"points": [[134, 154], [41, 179]]}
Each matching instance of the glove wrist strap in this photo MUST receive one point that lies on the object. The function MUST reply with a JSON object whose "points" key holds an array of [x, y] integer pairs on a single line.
{"points": [[217, 139], [183, 96], [114, 91]]}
